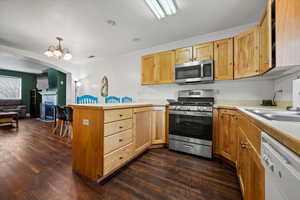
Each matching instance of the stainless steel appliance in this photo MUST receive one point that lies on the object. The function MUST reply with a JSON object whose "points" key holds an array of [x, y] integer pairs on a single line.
{"points": [[282, 170], [194, 72], [190, 122]]}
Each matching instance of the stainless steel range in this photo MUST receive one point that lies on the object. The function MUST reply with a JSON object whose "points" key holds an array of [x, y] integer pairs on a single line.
{"points": [[190, 122]]}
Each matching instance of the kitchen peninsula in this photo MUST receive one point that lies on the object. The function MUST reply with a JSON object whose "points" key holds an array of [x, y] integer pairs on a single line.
{"points": [[107, 136]]}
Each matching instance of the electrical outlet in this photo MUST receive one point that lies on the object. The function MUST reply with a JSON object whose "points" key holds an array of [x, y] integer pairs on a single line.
{"points": [[85, 122]]}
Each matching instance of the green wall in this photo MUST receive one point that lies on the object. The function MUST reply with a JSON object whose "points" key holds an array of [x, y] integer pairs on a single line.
{"points": [[57, 80], [28, 83]]}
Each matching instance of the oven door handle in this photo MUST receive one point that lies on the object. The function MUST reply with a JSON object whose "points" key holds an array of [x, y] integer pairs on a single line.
{"points": [[191, 113]]}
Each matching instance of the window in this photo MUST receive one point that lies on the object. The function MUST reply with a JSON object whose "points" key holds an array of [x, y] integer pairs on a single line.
{"points": [[10, 87]]}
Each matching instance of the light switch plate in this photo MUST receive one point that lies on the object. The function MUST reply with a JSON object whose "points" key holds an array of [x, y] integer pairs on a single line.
{"points": [[85, 122]]}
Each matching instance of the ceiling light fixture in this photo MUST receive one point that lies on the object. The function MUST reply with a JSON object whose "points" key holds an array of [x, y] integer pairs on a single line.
{"points": [[58, 51], [162, 8]]}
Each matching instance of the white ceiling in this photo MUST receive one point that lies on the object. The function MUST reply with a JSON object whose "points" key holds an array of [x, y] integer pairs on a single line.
{"points": [[19, 63], [33, 24]]}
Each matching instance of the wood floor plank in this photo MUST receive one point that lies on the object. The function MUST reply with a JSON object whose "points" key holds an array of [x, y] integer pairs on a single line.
{"points": [[35, 165]]}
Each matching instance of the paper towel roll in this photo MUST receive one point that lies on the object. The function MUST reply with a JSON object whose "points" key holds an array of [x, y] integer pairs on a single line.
{"points": [[296, 93]]}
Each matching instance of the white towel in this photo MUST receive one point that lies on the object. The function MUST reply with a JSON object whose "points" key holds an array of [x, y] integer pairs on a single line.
{"points": [[296, 93]]}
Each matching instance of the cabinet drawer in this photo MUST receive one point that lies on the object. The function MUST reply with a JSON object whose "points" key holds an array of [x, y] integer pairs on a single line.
{"points": [[114, 127], [117, 158], [116, 141], [115, 115]]}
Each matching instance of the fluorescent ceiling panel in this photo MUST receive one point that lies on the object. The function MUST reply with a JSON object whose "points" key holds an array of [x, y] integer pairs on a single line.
{"points": [[162, 8]]}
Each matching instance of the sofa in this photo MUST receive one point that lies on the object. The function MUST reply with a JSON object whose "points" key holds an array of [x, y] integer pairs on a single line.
{"points": [[13, 106]]}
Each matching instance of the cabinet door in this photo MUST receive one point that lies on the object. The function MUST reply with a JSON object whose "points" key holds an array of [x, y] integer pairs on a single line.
{"points": [[223, 59], [166, 62], [184, 55], [228, 138], [243, 164], [287, 32], [203, 51], [257, 176], [159, 125], [142, 128], [266, 41], [149, 69], [216, 132], [246, 53]]}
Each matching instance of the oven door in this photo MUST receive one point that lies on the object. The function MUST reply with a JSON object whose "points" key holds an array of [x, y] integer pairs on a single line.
{"points": [[191, 126]]}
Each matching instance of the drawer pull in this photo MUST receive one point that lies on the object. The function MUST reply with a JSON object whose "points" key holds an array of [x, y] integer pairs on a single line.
{"points": [[120, 127], [120, 140], [121, 115], [120, 157]]}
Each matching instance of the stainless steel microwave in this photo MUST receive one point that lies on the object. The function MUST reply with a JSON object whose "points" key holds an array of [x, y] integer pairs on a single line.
{"points": [[194, 72]]}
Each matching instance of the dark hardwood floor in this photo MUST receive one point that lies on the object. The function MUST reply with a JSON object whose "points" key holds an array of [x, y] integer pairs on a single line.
{"points": [[37, 166]]}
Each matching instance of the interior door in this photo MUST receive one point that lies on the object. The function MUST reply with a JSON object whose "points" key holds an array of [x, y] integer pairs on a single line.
{"points": [[166, 62], [223, 59], [184, 55], [246, 53], [203, 51]]}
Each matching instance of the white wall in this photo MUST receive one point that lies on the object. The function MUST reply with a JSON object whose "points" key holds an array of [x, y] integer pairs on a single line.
{"points": [[124, 74], [285, 84]]}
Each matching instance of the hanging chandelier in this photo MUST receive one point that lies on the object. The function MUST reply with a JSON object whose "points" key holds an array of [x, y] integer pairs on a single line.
{"points": [[58, 51]]}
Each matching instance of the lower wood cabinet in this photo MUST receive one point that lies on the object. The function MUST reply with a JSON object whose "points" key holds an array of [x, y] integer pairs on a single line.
{"points": [[228, 136], [237, 139], [159, 125], [142, 128], [106, 139]]}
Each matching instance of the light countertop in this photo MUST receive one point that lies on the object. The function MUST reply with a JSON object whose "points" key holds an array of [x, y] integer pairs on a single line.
{"points": [[107, 106], [287, 133]]}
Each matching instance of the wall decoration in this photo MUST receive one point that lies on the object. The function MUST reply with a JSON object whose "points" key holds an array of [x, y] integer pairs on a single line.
{"points": [[104, 87]]}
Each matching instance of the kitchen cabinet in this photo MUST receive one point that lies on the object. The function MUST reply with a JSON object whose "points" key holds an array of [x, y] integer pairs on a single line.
{"points": [[184, 55], [159, 125], [246, 53], [105, 138], [223, 59], [158, 68], [287, 17], [243, 164], [235, 133], [149, 69], [265, 47], [166, 64], [142, 121], [203, 51], [227, 134]]}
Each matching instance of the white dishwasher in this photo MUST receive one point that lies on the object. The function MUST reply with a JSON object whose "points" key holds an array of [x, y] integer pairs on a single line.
{"points": [[282, 170]]}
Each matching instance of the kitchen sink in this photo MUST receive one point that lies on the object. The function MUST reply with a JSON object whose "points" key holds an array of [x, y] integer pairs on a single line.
{"points": [[276, 115]]}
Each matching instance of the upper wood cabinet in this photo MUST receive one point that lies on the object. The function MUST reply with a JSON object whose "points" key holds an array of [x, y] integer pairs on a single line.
{"points": [[184, 55], [149, 69], [142, 120], [265, 46], [227, 134], [159, 125], [287, 32], [246, 53], [203, 51], [166, 62], [158, 68], [223, 59]]}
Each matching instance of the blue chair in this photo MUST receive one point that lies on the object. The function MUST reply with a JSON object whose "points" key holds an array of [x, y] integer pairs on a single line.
{"points": [[126, 100], [112, 99], [87, 99]]}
